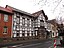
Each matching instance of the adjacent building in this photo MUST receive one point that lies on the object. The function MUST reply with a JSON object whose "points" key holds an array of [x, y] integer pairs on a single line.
{"points": [[40, 24], [54, 28], [22, 24], [5, 23], [49, 29]]}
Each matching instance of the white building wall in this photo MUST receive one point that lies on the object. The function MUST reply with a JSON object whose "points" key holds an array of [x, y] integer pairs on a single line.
{"points": [[20, 34], [36, 33], [20, 28], [25, 35], [14, 35]]}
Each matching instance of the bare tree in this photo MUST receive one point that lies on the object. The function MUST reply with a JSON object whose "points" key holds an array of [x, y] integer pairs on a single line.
{"points": [[48, 3], [56, 4], [59, 20]]}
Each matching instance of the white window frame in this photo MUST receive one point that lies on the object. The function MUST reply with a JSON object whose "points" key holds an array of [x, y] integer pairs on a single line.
{"points": [[20, 34], [4, 30], [14, 35], [17, 20], [5, 17]]}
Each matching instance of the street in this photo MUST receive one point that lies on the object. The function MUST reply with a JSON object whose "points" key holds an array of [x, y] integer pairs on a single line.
{"points": [[48, 43], [37, 44]]}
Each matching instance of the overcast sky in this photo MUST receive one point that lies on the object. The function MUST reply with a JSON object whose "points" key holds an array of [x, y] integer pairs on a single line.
{"points": [[51, 7]]}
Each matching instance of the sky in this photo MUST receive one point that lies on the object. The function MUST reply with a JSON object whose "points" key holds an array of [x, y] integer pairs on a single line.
{"points": [[52, 8]]}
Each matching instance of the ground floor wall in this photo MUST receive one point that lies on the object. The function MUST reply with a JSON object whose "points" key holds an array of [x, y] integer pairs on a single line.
{"points": [[41, 34], [5, 35]]}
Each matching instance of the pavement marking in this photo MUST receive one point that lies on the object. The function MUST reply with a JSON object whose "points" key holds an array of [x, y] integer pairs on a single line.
{"points": [[16, 45], [32, 45], [19, 45], [50, 46]]}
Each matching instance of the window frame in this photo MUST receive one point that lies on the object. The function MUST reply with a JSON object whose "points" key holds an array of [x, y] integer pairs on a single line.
{"points": [[6, 29], [5, 18], [17, 34]]}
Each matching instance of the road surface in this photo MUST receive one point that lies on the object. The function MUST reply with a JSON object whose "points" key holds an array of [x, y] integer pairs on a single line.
{"points": [[36, 44]]}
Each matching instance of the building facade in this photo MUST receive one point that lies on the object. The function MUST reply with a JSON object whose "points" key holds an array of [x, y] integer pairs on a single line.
{"points": [[5, 23], [22, 25], [53, 27], [49, 29], [40, 24]]}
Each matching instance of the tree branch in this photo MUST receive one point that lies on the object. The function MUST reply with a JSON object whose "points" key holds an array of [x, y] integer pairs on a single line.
{"points": [[57, 6]]}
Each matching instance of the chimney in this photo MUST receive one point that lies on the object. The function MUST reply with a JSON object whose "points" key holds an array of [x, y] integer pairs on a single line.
{"points": [[8, 7]]}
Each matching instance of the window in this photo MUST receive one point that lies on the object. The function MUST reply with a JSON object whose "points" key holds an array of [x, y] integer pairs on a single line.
{"points": [[53, 34], [14, 16], [14, 35], [17, 27], [27, 34], [18, 14], [23, 34], [17, 34], [5, 30], [32, 34], [18, 20], [28, 22], [23, 21], [5, 17]]}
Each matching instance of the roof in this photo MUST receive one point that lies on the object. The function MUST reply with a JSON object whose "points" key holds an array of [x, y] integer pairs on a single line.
{"points": [[36, 14], [53, 21], [17, 10], [5, 10]]}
